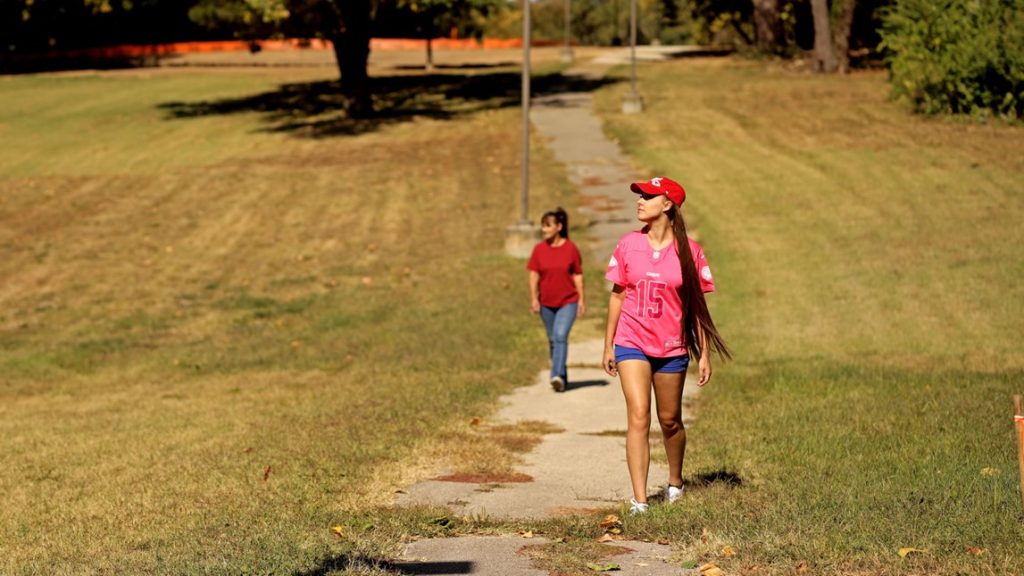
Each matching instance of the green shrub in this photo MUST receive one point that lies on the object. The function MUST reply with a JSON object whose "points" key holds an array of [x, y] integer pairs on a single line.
{"points": [[957, 56]]}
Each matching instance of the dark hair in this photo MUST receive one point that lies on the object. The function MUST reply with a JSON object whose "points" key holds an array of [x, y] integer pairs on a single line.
{"points": [[696, 317], [560, 218]]}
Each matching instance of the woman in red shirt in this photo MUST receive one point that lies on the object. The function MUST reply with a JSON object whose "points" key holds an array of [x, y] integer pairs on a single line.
{"points": [[556, 288]]}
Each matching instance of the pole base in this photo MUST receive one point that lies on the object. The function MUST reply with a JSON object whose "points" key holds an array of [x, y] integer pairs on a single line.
{"points": [[567, 55], [520, 239], [632, 103]]}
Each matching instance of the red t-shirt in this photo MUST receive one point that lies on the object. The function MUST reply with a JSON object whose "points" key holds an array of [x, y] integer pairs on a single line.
{"points": [[556, 267]]}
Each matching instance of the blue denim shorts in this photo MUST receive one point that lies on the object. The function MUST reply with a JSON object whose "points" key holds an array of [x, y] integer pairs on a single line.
{"points": [[670, 365]]}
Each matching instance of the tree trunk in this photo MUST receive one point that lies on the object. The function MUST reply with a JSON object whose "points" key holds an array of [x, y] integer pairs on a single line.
{"points": [[352, 49], [842, 35], [824, 54], [430, 55], [768, 25]]}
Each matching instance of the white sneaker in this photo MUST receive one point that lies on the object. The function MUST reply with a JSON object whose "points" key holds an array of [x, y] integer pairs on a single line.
{"points": [[558, 384], [637, 507], [673, 493]]}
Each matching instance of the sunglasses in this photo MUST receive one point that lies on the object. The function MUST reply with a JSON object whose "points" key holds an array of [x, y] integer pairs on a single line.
{"points": [[646, 196]]}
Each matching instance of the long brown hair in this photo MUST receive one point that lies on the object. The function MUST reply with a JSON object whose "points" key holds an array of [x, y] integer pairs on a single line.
{"points": [[696, 317]]}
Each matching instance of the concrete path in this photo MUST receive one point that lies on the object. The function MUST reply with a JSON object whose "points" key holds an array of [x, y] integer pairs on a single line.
{"points": [[510, 556], [584, 468], [580, 470]]}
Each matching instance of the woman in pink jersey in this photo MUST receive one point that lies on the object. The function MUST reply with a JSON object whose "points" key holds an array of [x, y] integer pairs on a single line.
{"points": [[657, 320], [556, 289]]}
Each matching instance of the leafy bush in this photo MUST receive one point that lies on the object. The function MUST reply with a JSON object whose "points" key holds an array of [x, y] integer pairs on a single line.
{"points": [[957, 56]]}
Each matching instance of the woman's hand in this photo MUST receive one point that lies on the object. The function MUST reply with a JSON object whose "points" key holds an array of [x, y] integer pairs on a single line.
{"points": [[535, 305], [608, 362], [581, 308], [704, 368]]}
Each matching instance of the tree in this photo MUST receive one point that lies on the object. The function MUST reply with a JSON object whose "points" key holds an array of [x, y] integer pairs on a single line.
{"points": [[844, 25], [824, 52], [429, 19], [345, 23], [768, 25]]}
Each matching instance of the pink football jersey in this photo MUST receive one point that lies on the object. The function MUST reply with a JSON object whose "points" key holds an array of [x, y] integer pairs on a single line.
{"points": [[652, 312]]}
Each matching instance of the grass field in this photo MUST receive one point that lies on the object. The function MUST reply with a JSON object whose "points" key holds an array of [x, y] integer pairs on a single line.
{"points": [[869, 270], [229, 317], [230, 320]]}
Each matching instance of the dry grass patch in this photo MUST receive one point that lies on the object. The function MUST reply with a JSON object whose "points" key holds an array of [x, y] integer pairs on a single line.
{"points": [[868, 266], [217, 341], [480, 453], [570, 558]]}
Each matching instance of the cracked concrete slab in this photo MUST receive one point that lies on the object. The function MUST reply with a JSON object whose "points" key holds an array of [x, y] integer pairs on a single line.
{"points": [[510, 556]]}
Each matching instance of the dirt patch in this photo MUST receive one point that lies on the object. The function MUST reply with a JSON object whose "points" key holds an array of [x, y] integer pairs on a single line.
{"points": [[486, 478], [593, 181], [600, 203]]}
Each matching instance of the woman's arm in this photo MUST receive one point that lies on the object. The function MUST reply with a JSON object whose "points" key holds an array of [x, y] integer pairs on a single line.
{"points": [[581, 309], [704, 365], [534, 291], [614, 311]]}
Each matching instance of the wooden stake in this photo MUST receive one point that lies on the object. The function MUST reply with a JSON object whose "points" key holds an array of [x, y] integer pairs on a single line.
{"points": [[1018, 420]]}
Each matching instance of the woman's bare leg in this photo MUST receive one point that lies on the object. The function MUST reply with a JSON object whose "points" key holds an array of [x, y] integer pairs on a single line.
{"points": [[668, 393], [635, 376]]}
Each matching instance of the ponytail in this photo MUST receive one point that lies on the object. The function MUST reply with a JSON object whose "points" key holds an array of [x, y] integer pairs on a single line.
{"points": [[560, 218], [696, 317]]}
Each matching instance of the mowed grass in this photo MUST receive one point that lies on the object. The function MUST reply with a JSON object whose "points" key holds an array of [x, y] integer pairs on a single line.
{"points": [[219, 339], [868, 265]]}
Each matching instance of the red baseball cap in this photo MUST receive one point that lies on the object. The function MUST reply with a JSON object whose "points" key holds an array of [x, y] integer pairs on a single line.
{"points": [[658, 186]]}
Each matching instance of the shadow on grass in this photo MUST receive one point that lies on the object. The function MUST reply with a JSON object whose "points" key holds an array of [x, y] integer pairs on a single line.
{"points": [[343, 563], [317, 109], [463, 66], [727, 477]]}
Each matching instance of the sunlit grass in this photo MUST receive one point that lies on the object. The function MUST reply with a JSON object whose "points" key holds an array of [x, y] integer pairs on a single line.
{"points": [[217, 340], [868, 265]]}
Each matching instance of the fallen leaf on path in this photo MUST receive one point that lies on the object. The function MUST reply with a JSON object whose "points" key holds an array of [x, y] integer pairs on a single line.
{"points": [[728, 551], [710, 569], [610, 521], [606, 538], [603, 567], [338, 531], [526, 533], [975, 551], [475, 421], [615, 530], [904, 552], [665, 542]]}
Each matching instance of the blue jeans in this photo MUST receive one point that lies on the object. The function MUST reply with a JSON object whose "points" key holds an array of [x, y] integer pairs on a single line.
{"points": [[558, 322]]}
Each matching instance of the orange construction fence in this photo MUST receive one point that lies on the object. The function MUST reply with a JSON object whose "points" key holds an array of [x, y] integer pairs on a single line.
{"points": [[144, 50]]}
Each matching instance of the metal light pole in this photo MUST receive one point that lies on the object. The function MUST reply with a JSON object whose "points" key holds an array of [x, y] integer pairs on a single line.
{"points": [[524, 218], [521, 236], [567, 54], [632, 102]]}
